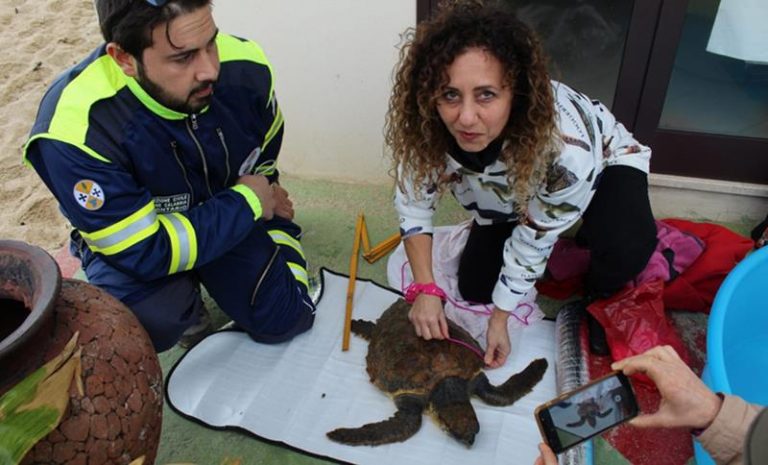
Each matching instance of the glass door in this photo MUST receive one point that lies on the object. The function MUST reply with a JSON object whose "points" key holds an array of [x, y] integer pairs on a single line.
{"points": [[704, 107], [719, 82], [585, 41]]}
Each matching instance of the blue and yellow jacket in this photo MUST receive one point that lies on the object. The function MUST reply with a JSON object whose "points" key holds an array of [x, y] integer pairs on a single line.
{"points": [[150, 190]]}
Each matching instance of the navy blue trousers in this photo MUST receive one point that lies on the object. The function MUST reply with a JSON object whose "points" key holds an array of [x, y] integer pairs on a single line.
{"points": [[261, 283]]}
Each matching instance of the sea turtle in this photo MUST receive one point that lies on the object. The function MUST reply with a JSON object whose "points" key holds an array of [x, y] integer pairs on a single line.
{"points": [[588, 412], [436, 375]]}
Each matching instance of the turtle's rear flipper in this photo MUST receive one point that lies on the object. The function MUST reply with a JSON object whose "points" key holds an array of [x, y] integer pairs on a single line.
{"points": [[404, 424], [514, 388], [363, 328]]}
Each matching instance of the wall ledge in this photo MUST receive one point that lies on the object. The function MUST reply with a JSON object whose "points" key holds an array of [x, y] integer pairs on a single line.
{"points": [[708, 185], [707, 199]]}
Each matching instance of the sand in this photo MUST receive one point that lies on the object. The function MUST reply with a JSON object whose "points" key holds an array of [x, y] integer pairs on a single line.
{"points": [[43, 38]]}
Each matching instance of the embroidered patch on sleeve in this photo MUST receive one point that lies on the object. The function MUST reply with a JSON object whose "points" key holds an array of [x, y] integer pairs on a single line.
{"points": [[89, 195], [173, 203]]}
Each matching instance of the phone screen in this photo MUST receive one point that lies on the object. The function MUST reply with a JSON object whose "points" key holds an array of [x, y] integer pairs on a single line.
{"points": [[577, 416]]}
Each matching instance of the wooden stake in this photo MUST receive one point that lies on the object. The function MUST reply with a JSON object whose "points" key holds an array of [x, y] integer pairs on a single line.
{"points": [[359, 225], [371, 255]]}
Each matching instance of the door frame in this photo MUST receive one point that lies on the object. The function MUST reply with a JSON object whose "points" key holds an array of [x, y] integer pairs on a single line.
{"points": [[687, 153]]}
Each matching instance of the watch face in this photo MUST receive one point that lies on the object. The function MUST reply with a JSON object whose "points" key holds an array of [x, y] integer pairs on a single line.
{"points": [[756, 449]]}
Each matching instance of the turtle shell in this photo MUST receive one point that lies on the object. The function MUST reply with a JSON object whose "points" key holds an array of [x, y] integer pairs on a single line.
{"points": [[400, 361]]}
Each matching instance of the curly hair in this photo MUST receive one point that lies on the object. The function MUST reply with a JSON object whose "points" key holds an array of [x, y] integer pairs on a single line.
{"points": [[414, 130]]}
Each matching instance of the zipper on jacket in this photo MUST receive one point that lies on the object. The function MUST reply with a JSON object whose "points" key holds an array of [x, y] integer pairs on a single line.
{"points": [[226, 154], [192, 123], [175, 148]]}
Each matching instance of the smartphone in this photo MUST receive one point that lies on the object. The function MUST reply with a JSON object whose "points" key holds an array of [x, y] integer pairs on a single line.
{"points": [[578, 415]]}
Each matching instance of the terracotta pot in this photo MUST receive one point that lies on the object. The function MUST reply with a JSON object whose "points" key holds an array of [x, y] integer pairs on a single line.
{"points": [[29, 284], [120, 416]]}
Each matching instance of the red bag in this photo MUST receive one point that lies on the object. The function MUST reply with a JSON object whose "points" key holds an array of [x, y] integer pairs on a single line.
{"points": [[634, 321]]}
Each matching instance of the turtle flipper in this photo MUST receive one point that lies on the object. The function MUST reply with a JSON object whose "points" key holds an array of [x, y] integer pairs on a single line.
{"points": [[401, 426], [363, 328], [514, 388]]}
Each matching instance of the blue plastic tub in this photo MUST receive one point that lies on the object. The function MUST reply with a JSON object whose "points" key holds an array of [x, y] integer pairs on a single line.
{"points": [[737, 336]]}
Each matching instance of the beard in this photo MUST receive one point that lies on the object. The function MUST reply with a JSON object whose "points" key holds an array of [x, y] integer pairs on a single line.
{"points": [[164, 98]]}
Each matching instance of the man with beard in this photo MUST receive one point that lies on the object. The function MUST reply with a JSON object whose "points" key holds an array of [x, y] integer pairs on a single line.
{"points": [[161, 149]]}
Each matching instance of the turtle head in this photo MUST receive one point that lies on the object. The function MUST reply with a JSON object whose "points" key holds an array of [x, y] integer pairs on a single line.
{"points": [[450, 406], [460, 421]]}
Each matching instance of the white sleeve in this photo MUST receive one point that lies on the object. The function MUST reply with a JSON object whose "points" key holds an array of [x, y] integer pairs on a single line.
{"points": [[619, 145], [415, 207], [549, 214], [567, 192]]}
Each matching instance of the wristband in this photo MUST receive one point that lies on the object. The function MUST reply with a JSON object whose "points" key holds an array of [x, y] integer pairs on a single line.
{"points": [[423, 288]]}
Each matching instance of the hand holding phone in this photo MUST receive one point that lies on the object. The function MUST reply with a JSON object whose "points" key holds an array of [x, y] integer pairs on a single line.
{"points": [[686, 401], [578, 415]]}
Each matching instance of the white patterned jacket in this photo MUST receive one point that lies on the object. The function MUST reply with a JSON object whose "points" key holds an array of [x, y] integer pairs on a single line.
{"points": [[592, 140]]}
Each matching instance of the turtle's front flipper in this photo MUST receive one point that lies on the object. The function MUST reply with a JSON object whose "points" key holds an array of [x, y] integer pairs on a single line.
{"points": [[404, 424], [514, 388], [363, 328]]}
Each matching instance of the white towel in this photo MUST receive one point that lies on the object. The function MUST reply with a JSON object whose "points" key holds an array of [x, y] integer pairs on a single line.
{"points": [[295, 392]]}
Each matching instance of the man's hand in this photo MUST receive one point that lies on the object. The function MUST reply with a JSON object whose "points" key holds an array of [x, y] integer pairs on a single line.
{"points": [[428, 317], [263, 190], [498, 339], [283, 205], [685, 400]]}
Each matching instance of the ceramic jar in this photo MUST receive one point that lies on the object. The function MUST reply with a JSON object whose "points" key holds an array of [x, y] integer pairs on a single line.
{"points": [[119, 417]]}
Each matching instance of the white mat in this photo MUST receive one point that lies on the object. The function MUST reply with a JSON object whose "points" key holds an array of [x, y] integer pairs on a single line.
{"points": [[294, 393]]}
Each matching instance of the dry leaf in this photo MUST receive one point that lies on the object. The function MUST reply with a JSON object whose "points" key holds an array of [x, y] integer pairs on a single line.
{"points": [[34, 407]]}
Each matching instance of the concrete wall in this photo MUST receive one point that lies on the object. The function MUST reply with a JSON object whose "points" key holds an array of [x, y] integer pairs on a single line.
{"points": [[721, 201], [333, 62]]}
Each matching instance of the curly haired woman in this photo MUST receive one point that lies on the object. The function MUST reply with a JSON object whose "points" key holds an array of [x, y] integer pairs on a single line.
{"points": [[473, 110]]}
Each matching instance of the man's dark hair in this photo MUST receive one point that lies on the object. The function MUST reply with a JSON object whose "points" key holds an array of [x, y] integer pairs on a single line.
{"points": [[129, 23]]}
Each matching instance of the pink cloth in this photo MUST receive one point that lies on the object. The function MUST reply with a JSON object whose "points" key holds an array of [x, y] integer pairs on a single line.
{"points": [[675, 252]]}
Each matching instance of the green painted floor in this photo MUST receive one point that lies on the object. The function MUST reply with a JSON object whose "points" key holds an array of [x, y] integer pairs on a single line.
{"points": [[327, 213]]}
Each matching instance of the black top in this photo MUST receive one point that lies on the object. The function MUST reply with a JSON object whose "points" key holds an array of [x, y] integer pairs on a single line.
{"points": [[476, 161]]}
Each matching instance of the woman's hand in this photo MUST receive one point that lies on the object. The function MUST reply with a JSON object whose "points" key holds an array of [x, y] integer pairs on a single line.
{"points": [[685, 400], [547, 457], [426, 313], [498, 339], [428, 317]]}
